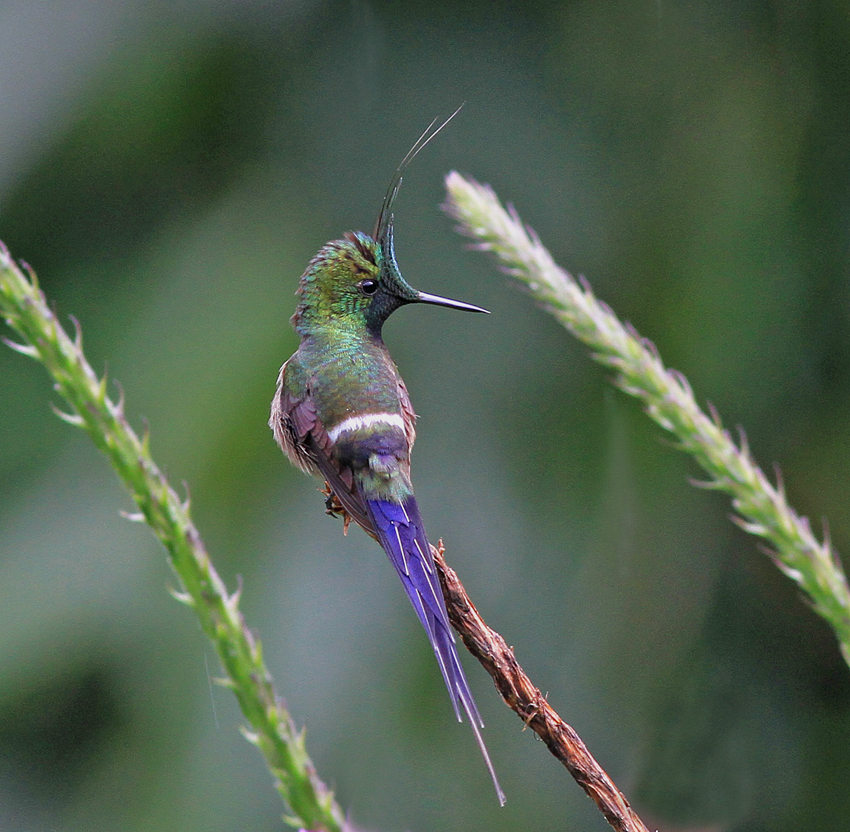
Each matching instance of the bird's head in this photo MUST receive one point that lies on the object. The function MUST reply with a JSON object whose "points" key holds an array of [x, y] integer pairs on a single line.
{"points": [[356, 280]]}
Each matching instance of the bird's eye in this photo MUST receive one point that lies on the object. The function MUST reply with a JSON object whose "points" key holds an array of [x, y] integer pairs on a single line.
{"points": [[368, 287]]}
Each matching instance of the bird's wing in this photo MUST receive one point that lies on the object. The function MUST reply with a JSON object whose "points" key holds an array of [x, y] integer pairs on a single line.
{"points": [[290, 415], [407, 413], [339, 478], [303, 438]]}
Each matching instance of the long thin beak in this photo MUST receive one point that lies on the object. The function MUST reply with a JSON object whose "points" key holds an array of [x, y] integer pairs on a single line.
{"points": [[424, 297]]}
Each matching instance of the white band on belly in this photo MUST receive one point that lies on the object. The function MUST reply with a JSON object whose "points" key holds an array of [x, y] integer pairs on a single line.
{"points": [[365, 420]]}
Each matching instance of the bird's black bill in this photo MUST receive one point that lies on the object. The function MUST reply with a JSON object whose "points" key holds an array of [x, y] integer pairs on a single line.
{"points": [[424, 297]]}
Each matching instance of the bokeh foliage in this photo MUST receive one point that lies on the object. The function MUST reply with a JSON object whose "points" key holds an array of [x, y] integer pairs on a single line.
{"points": [[169, 170]]}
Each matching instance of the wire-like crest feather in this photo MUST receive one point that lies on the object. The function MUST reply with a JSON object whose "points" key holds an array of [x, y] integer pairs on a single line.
{"points": [[383, 234]]}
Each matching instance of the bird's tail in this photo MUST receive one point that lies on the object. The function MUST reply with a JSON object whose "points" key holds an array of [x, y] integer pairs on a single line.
{"points": [[399, 530]]}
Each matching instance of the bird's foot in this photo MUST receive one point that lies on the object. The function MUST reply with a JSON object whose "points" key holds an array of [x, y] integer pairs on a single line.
{"points": [[335, 508]]}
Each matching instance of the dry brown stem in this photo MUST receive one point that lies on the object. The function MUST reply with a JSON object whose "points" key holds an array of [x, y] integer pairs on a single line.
{"points": [[530, 705]]}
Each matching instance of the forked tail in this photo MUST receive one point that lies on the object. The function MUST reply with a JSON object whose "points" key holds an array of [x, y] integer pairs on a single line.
{"points": [[399, 529]]}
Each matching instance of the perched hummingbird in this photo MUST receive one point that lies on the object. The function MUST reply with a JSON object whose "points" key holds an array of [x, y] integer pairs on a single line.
{"points": [[341, 411]]}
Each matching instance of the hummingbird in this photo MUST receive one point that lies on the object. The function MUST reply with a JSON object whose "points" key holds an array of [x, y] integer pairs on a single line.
{"points": [[341, 411]]}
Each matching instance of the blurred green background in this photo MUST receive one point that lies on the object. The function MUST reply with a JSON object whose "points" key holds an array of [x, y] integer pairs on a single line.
{"points": [[169, 168]]}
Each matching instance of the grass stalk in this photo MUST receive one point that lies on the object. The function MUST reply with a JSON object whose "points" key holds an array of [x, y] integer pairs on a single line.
{"points": [[310, 803], [761, 507]]}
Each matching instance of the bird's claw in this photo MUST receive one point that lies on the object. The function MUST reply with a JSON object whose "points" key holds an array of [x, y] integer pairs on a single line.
{"points": [[334, 508]]}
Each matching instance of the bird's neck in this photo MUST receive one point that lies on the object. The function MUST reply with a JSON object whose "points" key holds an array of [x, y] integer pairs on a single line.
{"points": [[311, 320], [342, 334]]}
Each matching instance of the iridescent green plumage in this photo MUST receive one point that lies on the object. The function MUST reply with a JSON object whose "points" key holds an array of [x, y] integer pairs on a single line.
{"points": [[331, 289], [342, 411]]}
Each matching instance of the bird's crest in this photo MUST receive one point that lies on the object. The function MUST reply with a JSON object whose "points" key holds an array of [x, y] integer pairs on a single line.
{"points": [[357, 278], [383, 233]]}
